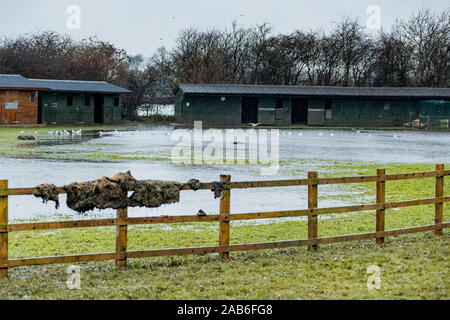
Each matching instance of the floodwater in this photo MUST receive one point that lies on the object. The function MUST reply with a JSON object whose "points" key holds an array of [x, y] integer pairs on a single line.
{"points": [[147, 154]]}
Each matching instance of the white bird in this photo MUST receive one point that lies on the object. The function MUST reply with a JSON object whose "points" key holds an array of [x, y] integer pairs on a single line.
{"points": [[254, 124], [22, 132], [100, 133]]}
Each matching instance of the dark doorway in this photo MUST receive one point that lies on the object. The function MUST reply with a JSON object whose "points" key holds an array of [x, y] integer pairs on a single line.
{"points": [[98, 108], [249, 110], [299, 111]]}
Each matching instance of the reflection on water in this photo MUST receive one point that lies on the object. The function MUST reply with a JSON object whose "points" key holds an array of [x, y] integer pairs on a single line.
{"points": [[300, 151]]}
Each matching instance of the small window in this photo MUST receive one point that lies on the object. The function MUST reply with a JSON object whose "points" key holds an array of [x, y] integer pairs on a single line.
{"points": [[116, 101], [33, 97], [69, 101], [87, 101], [328, 110]]}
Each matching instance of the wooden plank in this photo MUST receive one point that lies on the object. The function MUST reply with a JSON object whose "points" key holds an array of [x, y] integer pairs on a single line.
{"points": [[61, 225], [312, 204], [224, 224], [121, 239], [268, 184], [381, 198], [172, 219], [439, 206], [219, 249], [213, 218], [4, 233], [61, 259]]}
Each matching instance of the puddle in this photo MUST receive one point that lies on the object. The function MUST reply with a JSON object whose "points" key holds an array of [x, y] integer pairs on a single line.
{"points": [[147, 153]]}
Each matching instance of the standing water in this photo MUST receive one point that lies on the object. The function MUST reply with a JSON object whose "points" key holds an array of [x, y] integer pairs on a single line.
{"points": [[147, 153]]}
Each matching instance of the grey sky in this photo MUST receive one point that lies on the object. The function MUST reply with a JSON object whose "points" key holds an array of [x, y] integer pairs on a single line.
{"points": [[142, 26]]}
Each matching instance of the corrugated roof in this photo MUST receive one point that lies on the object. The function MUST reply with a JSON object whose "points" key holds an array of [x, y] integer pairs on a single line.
{"points": [[79, 86], [17, 81], [232, 89]]}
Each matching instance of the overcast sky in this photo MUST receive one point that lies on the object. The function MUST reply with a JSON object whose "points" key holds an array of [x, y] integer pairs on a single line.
{"points": [[142, 26]]}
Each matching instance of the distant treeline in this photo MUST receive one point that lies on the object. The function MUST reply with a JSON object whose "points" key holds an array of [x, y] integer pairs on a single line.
{"points": [[414, 53]]}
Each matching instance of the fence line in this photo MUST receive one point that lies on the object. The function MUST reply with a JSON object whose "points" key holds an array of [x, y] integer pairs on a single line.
{"points": [[122, 221]]}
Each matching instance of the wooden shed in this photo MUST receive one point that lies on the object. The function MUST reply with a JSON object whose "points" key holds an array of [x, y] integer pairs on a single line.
{"points": [[38, 101], [234, 105]]}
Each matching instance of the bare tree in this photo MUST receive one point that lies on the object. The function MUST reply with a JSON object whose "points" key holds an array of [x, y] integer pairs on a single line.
{"points": [[428, 35]]}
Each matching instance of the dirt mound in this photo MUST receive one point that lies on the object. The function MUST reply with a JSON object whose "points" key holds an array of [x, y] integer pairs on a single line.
{"points": [[101, 194], [194, 184], [26, 138], [112, 193], [218, 188], [47, 192], [154, 193]]}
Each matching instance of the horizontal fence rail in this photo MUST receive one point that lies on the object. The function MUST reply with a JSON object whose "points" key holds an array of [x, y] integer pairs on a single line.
{"points": [[122, 221]]}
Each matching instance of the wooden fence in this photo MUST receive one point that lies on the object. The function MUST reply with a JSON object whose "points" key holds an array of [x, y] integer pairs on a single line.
{"points": [[122, 221]]}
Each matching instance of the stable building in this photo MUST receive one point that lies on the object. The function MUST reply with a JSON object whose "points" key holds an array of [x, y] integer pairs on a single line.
{"points": [[39, 101], [235, 105]]}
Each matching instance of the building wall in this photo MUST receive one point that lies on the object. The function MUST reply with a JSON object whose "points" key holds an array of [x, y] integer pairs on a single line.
{"points": [[111, 113], [436, 113], [213, 111], [26, 112], [326, 111], [54, 109], [209, 109], [372, 112]]}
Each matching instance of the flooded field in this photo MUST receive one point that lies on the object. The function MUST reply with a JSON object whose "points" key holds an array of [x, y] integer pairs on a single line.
{"points": [[146, 151]]}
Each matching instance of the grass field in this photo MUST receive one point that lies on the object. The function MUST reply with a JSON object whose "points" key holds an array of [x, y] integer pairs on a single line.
{"points": [[412, 267]]}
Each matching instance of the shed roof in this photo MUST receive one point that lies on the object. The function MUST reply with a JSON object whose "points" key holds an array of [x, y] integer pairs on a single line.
{"points": [[17, 81], [235, 89]]}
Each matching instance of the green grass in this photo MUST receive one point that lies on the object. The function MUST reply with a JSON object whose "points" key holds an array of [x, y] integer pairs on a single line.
{"points": [[412, 266]]}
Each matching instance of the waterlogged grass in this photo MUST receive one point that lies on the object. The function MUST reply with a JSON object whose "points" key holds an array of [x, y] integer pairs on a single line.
{"points": [[412, 266], [10, 146]]}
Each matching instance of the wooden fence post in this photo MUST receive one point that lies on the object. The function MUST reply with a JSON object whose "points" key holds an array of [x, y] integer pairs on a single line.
{"points": [[121, 239], [4, 230], [312, 204], [224, 224], [439, 206], [381, 198]]}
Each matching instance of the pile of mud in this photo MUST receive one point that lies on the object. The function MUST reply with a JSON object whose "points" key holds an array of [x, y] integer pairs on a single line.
{"points": [[47, 192], [114, 193]]}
